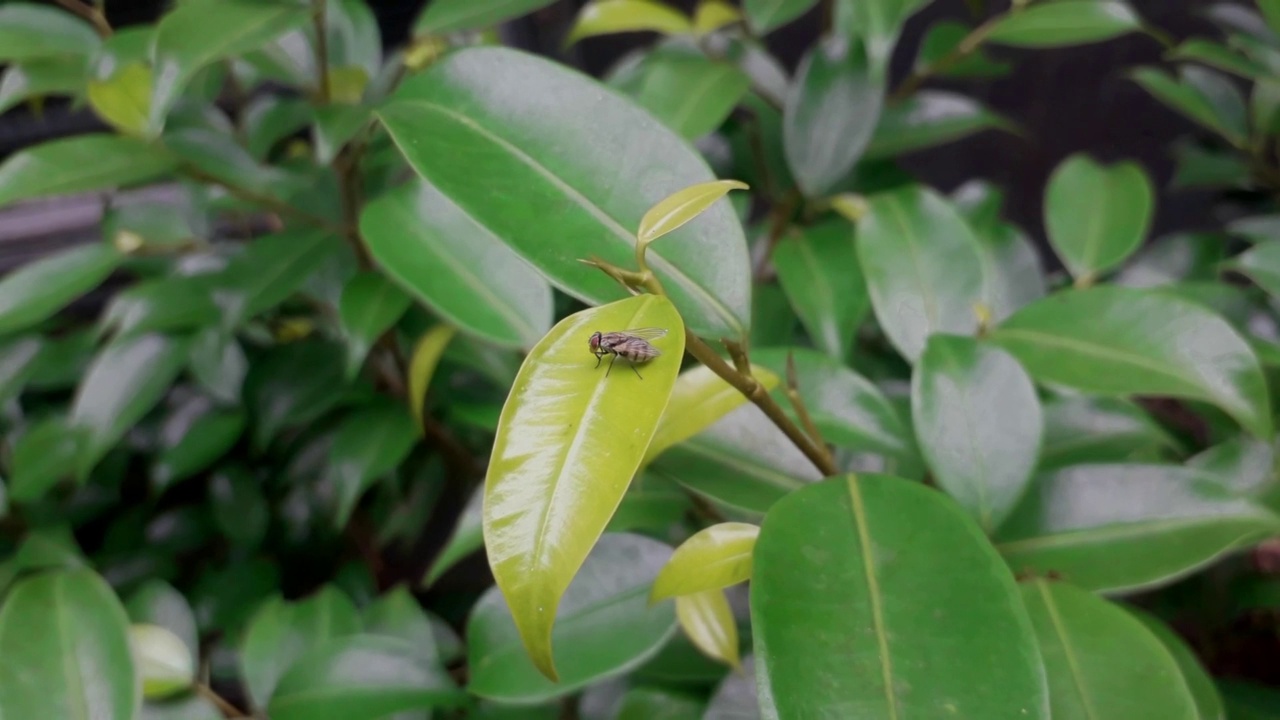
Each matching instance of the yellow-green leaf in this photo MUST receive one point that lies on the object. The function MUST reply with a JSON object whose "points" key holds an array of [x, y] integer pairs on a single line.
{"points": [[124, 99], [682, 206], [713, 558], [162, 659], [426, 355], [700, 399], [708, 621], [711, 15], [570, 438], [617, 16]]}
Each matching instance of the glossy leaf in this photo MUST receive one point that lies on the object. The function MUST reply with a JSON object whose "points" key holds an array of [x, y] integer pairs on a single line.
{"points": [[863, 645], [294, 383], [422, 367], [1129, 341], [878, 24], [603, 628], [929, 118], [282, 632], [1100, 661], [765, 15], [1069, 22], [369, 443], [1218, 56], [1128, 526], [1011, 271], [689, 92], [198, 445], [1186, 98], [370, 305], [830, 114], [555, 209], [48, 452], [36, 291], [167, 304], [1244, 465], [414, 231], [1208, 701], [605, 17], [707, 620], [32, 31], [96, 161], [1097, 215], [125, 381], [820, 273], [157, 602], [162, 661], [570, 438], [65, 647], [219, 364], [397, 614], [446, 16], [711, 559], [922, 267], [40, 78], [699, 399], [682, 206], [124, 100], [361, 676], [1261, 263], [18, 357], [1080, 428]]}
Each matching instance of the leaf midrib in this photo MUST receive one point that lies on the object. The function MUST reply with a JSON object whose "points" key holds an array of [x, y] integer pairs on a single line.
{"points": [[1088, 348], [873, 595], [1068, 651]]}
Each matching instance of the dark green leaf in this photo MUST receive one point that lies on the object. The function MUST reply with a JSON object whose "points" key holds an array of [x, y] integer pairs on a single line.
{"points": [[214, 152], [369, 443], [929, 118], [1197, 679], [642, 703], [1249, 700], [193, 445], [489, 104], [765, 15], [335, 126], [30, 31], [292, 384], [467, 537], [96, 161], [819, 271], [268, 119], [38, 290], [1244, 465], [941, 40], [1128, 526], [17, 363], [238, 506], [876, 23], [446, 16], [863, 645], [163, 305], [157, 602], [1187, 98], [67, 634], [1097, 215], [831, 113], [46, 453], [1261, 263], [1068, 22], [1219, 56], [1128, 341], [219, 364], [414, 232], [370, 305]]}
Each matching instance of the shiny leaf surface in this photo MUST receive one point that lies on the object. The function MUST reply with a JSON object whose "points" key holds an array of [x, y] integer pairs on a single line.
{"points": [[96, 161], [162, 661], [605, 17], [446, 16], [40, 78], [689, 92], [158, 603], [681, 206], [124, 100], [370, 305], [713, 558], [1070, 22], [292, 384], [31, 31], [1080, 428], [422, 367], [36, 291], [929, 118], [369, 443], [706, 618], [1097, 215], [699, 399], [820, 273], [49, 451], [200, 443], [765, 15]]}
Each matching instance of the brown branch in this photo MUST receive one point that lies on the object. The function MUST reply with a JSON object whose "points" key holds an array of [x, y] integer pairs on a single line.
{"points": [[797, 403], [226, 708], [93, 15], [967, 46]]}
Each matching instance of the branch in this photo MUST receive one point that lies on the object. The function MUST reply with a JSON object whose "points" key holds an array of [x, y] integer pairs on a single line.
{"points": [[967, 46], [267, 201], [93, 15], [320, 17], [226, 708], [797, 403]]}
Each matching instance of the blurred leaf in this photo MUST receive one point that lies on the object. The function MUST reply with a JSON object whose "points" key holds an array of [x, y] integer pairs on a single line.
{"points": [[200, 443], [360, 676], [49, 451], [1128, 526], [682, 206], [33, 31], [1083, 429], [467, 537], [369, 443], [18, 356], [559, 466], [447, 16], [711, 15], [689, 92], [1097, 215], [555, 209], [354, 42], [95, 161], [699, 399], [707, 620], [166, 304], [1127, 341], [819, 271], [644, 703], [978, 422], [422, 367], [157, 602], [831, 113], [765, 15], [281, 633], [268, 119], [1068, 22], [292, 384], [1175, 258], [162, 661], [877, 23], [735, 697], [414, 231], [1188, 99], [40, 78], [1261, 263], [922, 267], [1219, 56], [1091, 648], [397, 614], [603, 626], [126, 379], [239, 507], [1249, 700], [1011, 271], [370, 305], [864, 644], [941, 40], [1244, 465], [711, 559], [1203, 691], [928, 118], [653, 505], [191, 707], [773, 322], [335, 126], [604, 17], [67, 633], [124, 99], [219, 364], [273, 267], [36, 291], [216, 155]]}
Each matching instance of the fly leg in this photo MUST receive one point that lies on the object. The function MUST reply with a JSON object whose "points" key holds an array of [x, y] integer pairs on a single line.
{"points": [[599, 357], [611, 361], [633, 369]]}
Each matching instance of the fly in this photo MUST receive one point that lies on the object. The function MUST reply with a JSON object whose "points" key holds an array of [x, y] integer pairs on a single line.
{"points": [[631, 345]]}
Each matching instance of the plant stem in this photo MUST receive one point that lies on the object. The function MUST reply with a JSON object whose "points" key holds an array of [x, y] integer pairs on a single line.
{"points": [[226, 708], [797, 404], [321, 18], [92, 14], [967, 46]]}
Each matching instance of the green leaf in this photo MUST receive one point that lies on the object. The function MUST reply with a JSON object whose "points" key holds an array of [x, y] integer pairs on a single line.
{"points": [[1187, 98], [818, 269], [1244, 465], [929, 118], [414, 232], [1068, 22], [699, 399], [978, 423], [268, 119], [707, 620], [397, 614], [830, 115], [555, 208], [63, 638], [863, 645], [354, 42], [166, 304], [922, 267], [711, 559], [735, 697], [124, 99], [1128, 341], [603, 628], [941, 40], [1101, 662], [689, 92], [1080, 428], [292, 384], [682, 206], [281, 633], [422, 367], [370, 305], [40, 78], [1261, 263], [199, 32], [82, 163], [157, 602], [218, 364], [163, 662], [361, 676], [334, 127], [1124, 527], [448, 16], [560, 465], [1205, 693], [38, 290], [369, 443], [191, 707], [193, 445], [1219, 56], [125, 381], [31, 31], [765, 15], [1097, 215], [604, 17], [1249, 700], [18, 357], [239, 508], [42, 456], [877, 23], [1011, 271], [272, 268]]}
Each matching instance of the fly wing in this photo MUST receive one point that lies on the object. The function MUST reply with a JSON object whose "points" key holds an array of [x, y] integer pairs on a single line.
{"points": [[651, 333]]}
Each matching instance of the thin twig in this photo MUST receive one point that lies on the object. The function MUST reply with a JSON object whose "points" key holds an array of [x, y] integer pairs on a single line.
{"points": [[321, 18], [226, 708], [90, 13], [967, 46], [271, 203], [797, 403]]}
